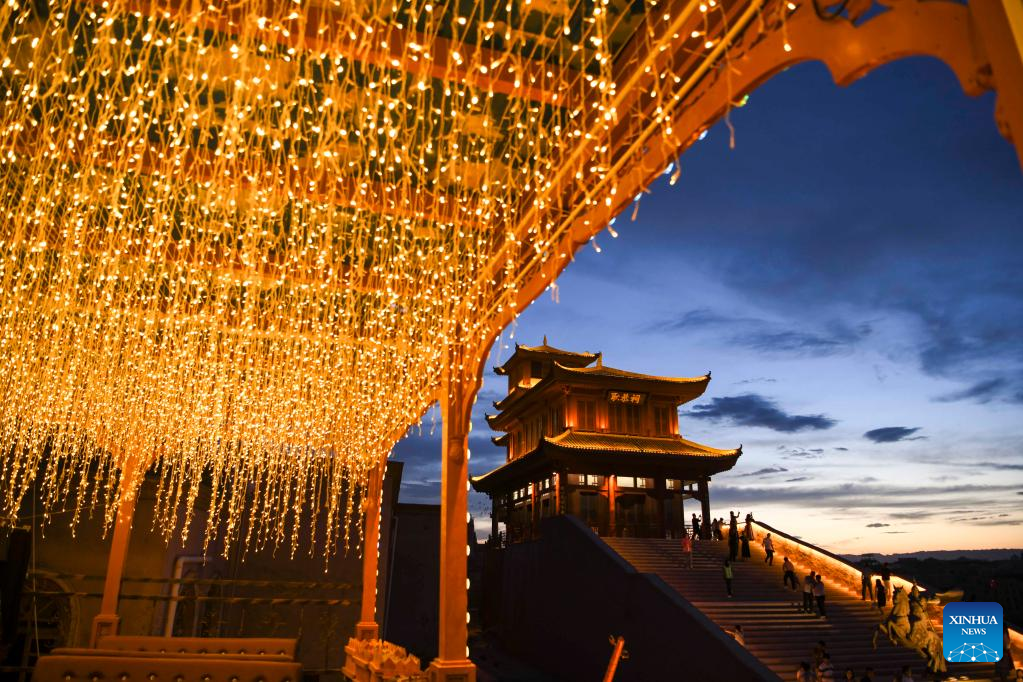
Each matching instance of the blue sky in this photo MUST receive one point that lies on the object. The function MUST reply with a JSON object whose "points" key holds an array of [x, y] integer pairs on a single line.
{"points": [[851, 273]]}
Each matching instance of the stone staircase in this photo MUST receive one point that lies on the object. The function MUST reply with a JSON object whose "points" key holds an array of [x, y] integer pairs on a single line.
{"points": [[775, 630]]}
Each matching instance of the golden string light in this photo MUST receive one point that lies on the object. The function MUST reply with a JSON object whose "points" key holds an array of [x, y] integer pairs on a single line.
{"points": [[239, 239]]}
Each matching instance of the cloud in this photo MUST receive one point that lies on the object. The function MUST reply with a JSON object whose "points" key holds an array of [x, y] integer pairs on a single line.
{"points": [[892, 434], [836, 338], [878, 525], [842, 449], [797, 479], [756, 380], [875, 496], [765, 336], [751, 409], [765, 471], [998, 466], [981, 392], [800, 453]]}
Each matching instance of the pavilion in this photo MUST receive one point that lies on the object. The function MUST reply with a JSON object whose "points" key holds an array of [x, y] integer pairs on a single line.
{"points": [[599, 443]]}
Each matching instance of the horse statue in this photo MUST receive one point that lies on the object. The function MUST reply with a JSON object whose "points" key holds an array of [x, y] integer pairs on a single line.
{"points": [[907, 625], [922, 636], [896, 625]]}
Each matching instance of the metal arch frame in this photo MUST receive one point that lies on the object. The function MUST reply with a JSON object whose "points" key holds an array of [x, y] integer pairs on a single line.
{"points": [[956, 34]]}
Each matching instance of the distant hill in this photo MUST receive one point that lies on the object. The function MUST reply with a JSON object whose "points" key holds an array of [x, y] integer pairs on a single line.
{"points": [[947, 555]]}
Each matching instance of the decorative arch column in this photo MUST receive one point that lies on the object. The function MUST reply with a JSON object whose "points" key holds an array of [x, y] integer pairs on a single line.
{"points": [[107, 621], [463, 377]]}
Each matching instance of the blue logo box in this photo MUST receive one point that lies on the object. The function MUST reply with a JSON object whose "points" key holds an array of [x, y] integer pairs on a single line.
{"points": [[972, 631]]}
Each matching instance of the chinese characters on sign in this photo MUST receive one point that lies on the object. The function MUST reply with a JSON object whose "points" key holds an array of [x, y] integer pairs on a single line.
{"points": [[625, 397]]}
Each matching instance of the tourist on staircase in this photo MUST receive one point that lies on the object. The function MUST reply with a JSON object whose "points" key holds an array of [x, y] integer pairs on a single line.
{"points": [[687, 549], [769, 550], [868, 675], [748, 530], [820, 649], [696, 527], [733, 544], [803, 674], [826, 671], [865, 590], [745, 547], [789, 573], [808, 593], [818, 595], [728, 577], [886, 577], [881, 594], [849, 675]]}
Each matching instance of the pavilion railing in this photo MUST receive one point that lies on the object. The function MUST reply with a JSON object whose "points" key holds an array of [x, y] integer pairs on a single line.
{"points": [[318, 614]]}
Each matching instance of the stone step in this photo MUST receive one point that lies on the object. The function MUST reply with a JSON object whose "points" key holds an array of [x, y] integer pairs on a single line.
{"points": [[775, 630]]}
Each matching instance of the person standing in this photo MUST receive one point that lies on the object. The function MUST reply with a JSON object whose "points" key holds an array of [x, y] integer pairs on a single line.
{"points": [[789, 574], [865, 588], [745, 547], [886, 578], [826, 671], [803, 674], [748, 530], [808, 593], [906, 675], [820, 650], [850, 676], [818, 595], [696, 527], [882, 596], [769, 549], [733, 523], [733, 545], [728, 577], [687, 549], [868, 675]]}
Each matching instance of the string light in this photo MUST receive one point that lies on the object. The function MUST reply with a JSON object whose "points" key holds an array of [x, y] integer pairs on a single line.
{"points": [[239, 240]]}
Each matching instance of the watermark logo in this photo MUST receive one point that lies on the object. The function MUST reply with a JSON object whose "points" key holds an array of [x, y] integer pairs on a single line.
{"points": [[972, 632]]}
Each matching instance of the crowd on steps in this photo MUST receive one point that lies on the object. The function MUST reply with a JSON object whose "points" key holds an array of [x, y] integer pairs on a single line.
{"points": [[875, 588]]}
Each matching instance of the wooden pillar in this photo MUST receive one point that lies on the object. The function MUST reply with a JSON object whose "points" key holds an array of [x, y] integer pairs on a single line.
{"points": [[661, 495], [612, 524], [557, 494], [452, 663], [534, 511], [704, 487], [107, 621], [1000, 27], [494, 528], [367, 627]]}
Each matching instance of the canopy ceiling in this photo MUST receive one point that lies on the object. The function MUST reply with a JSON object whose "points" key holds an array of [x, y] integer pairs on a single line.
{"points": [[240, 239]]}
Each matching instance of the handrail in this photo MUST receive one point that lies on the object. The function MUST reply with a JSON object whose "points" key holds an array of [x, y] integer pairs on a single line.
{"points": [[847, 572], [616, 656]]}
